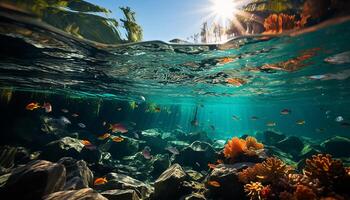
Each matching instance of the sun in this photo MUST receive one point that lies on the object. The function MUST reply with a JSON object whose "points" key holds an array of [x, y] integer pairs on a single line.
{"points": [[223, 9]]}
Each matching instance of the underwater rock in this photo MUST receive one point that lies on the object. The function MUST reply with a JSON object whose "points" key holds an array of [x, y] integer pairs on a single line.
{"points": [[193, 196], [271, 138], [121, 181], [120, 195], [78, 174], [197, 155], [154, 140], [292, 145], [169, 183], [337, 146], [194, 175], [194, 136], [23, 155], [219, 144], [7, 158], [127, 147], [160, 163], [69, 147], [34, 180], [227, 177], [86, 194]]}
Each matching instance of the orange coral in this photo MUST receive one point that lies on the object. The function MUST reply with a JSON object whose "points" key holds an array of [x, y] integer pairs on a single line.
{"points": [[253, 190], [277, 23], [269, 171], [236, 147], [325, 169]]}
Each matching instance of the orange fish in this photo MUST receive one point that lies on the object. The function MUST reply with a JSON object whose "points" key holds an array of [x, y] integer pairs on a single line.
{"points": [[100, 181], [118, 128], [104, 136], [32, 106], [118, 139], [225, 60], [86, 142], [211, 166], [214, 183]]}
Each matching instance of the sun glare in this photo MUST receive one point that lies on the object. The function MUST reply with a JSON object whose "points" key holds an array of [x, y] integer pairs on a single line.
{"points": [[223, 9]]}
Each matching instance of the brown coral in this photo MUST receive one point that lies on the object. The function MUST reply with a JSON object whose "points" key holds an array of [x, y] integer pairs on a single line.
{"points": [[303, 192], [236, 147], [324, 168], [277, 23], [253, 190]]}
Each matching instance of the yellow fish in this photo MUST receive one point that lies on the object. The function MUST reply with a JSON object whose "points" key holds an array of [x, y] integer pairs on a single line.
{"points": [[300, 122], [133, 105], [271, 124]]}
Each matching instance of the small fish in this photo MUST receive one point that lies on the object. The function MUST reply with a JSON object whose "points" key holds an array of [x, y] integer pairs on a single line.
{"points": [[75, 115], [117, 128], [118, 139], [143, 98], [271, 124], [100, 181], [211, 166], [136, 136], [86, 142], [339, 119], [133, 105], [172, 150], [285, 111], [119, 109], [300, 122], [104, 136], [234, 117], [64, 110], [146, 153], [254, 118], [133, 123], [214, 183], [318, 77], [81, 125], [341, 58], [104, 123], [328, 112], [47, 107], [32, 106], [198, 164], [64, 121]]}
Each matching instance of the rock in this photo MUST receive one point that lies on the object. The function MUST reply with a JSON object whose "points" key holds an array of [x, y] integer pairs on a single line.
{"points": [[271, 138], [34, 180], [121, 181], [7, 158], [120, 195], [337, 146], [160, 163], [154, 140], [70, 147], [194, 196], [128, 147], [197, 156], [292, 145], [230, 187], [78, 174], [194, 175], [219, 144], [23, 156], [86, 194], [169, 183]]}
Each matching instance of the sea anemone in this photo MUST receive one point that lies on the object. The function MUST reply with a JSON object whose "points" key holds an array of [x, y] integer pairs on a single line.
{"points": [[253, 190], [324, 168], [236, 147]]}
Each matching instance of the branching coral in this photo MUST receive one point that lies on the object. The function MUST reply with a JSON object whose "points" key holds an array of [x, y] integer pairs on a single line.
{"points": [[236, 147], [277, 23], [253, 190], [269, 171], [324, 168]]}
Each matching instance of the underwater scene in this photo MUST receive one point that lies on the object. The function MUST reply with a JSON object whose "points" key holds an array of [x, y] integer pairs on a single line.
{"points": [[254, 104]]}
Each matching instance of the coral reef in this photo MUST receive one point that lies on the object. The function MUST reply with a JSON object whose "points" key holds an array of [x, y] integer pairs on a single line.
{"points": [[253, 190], [237, 147]]}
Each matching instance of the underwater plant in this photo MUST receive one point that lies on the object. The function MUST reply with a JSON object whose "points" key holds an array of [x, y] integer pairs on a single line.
{"points": [[277, 23], [237, 147], [253, 190]]}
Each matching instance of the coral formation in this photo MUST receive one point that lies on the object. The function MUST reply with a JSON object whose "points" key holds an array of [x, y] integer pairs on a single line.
{"points": [[237, 147], [253, 190]]}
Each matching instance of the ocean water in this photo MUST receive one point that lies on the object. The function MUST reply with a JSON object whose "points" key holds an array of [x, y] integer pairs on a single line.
{"points": [[172, 87]]}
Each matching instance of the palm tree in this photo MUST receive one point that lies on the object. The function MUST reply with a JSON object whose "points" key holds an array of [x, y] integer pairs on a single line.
{"points": [[134, 31]]}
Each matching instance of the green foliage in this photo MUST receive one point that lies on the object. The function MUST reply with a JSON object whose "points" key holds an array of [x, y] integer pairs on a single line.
{"points": [[134, 31], [275, 6]]}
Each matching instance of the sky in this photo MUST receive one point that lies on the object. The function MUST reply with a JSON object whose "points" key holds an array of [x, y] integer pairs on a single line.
{"points": [[163, 19]]}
